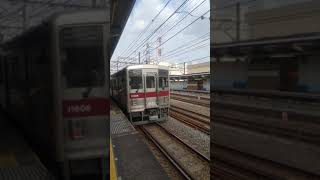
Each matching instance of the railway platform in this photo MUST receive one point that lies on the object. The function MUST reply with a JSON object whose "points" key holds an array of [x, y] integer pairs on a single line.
{"points": [[17, 160], [130, 156]]}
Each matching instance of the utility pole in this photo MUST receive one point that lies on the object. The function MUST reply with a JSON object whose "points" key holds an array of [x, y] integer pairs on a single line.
{"points": [[159, 49], [184, 68], [147, 53], [139, 57]]}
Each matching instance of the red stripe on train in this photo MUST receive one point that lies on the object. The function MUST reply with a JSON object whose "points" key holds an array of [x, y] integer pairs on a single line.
{"points": [[86, 107], [148, 94]]}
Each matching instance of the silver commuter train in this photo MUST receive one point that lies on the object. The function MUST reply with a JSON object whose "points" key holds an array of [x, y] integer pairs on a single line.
{"points": [[55, 87], [143, 92]]}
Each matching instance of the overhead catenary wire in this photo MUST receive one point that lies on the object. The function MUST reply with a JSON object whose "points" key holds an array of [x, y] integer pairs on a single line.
{"points": [[145, 29], [186, 47], [193, 60], [219, 8], [181, 30], [190, 42], [176, 24], [184, 8], [189, 50], [146, 39]]}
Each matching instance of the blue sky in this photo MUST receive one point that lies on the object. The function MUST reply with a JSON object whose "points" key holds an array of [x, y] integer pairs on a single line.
{"points": [[143, 13]]}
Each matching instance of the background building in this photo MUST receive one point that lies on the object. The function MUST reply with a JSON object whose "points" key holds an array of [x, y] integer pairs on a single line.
{"points": [[196, 77]]}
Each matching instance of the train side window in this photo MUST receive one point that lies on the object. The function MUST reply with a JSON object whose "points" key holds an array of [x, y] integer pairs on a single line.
{"points": [[163, 78], [163, 82], [163, 73]]}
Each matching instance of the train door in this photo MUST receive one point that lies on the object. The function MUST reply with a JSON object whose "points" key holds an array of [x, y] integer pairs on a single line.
{"points": [[163, 93], [163, 90], [150, 89], [151, 95], [84, 95]]}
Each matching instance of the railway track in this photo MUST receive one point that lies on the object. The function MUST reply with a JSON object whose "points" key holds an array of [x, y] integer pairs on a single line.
{"points": [[189, 162], [205, 103], [200, 97], [195, 120], [234, 164], [192, 92], [197, 116]]}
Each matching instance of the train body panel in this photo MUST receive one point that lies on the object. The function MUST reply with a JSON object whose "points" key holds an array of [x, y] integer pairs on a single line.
{"points": [[58, 88], [143, 92]]}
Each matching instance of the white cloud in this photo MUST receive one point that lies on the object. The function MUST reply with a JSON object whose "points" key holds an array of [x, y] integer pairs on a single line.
{"points": [[139, 24]]}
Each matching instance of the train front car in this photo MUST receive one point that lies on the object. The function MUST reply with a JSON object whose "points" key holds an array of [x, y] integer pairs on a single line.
{"points": [[148, 93], [82, 83]]}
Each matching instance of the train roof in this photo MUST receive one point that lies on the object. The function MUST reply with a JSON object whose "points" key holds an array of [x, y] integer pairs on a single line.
{"points": [[147, 66], [141, 66]]}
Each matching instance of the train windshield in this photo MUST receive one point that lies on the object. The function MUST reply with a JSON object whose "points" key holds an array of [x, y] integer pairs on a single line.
{"points": [[82, 56], [150, 82], [163, 79], [135, 77]]}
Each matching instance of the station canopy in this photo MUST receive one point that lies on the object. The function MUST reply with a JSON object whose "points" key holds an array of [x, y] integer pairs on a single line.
{"points": [[18, 16], [286, 46]]}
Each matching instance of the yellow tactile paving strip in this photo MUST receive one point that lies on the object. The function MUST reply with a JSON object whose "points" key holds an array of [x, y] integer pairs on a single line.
{"points": [[113, 171]]}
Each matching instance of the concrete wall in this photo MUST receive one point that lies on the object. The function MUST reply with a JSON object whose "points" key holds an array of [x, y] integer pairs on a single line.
{"points": [[309, 74], [226, 74]]}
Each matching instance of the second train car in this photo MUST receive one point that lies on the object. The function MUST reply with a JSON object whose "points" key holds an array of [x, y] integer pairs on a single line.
{"points": [[54, 86], [143, 92]]}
